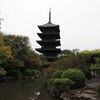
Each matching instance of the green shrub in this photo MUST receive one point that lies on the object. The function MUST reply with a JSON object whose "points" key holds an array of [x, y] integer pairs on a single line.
{"points": [[16, 74], [28, 72], [75, 75], [50, 86], [57, 74], [59, 85], [35, 73]]}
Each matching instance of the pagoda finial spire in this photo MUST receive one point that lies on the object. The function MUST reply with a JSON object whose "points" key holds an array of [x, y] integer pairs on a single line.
{"points": [[49, 15]]}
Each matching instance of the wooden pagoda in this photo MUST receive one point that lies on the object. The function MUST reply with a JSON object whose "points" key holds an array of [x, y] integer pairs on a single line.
{"points": [[50, 39]]}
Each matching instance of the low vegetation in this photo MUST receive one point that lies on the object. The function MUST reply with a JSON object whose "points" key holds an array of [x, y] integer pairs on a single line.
{"points": [[56, 86], [75, 75], [63, 81]]}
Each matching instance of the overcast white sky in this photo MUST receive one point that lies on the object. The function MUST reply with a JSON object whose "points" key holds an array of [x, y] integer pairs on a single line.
{"points": [[79, 20]]}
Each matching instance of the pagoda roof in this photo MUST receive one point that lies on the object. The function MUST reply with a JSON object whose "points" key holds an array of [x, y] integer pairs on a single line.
{"points": [[49, 24], [49, 42], [49, 28], [48, 50], [49, 35]]}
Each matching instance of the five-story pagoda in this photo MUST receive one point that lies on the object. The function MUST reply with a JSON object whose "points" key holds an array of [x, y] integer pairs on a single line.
{"points": [[50, 39]]}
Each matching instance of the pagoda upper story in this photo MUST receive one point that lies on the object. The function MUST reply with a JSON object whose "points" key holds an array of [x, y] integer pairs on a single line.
{"points": [[50, 39]]}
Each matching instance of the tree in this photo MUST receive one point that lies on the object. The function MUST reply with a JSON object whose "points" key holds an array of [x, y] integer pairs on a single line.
{"points": [[23, 55], [5, 53], [20, 44], [96, 67], [2, 71], [31, 62]]}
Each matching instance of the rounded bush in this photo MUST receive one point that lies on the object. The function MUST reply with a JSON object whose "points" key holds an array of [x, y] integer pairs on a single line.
{"points": [[50, 86], [57, 74], [35, 73], [28, 72], [59, 85], [75, 75], [16, 74]]}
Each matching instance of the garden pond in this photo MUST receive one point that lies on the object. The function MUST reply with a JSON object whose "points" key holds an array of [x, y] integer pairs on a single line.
{"points": [[25, 90]]}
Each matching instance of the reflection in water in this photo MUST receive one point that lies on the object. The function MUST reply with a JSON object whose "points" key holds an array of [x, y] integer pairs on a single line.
{"points": [[35, 96], [24, 90]]}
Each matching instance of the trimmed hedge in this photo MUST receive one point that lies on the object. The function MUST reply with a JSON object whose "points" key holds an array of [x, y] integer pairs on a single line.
{"points": [[57, 74], [75, 75], [35, 73], [28, 72], [59, 85]]}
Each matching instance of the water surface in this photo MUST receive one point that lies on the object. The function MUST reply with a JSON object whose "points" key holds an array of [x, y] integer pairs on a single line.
{"points": [[24, 90]]}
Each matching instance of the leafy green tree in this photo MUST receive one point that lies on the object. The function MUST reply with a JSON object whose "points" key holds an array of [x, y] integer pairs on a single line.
{"points": [[14, 64], [66, 52], [31, 62], [5, 54], [89, 56], [96, 67], [22, 50], [2, 71], [20, 44], [5, 50]]}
